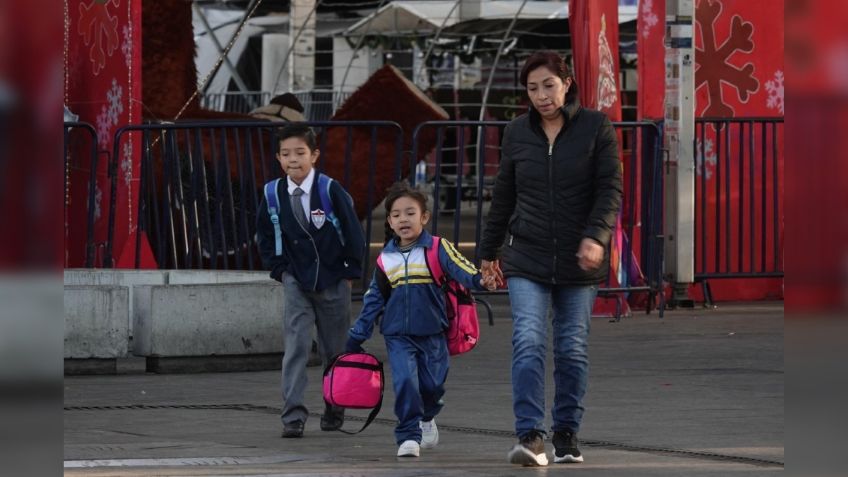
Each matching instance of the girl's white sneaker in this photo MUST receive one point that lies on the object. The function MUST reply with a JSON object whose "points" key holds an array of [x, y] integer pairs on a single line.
{"points": [[409, 448], [429, 434]]}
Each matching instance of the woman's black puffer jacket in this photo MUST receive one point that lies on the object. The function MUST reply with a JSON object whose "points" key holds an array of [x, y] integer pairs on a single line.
{"points": [[548, 197]]}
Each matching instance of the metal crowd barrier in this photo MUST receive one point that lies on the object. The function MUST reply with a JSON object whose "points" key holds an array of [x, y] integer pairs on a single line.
{"points": [[72, 140], [201, 186], [739, 203], [473, 144]]}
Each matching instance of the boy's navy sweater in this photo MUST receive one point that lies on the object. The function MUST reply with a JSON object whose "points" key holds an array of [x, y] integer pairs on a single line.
{"points": [[315, 257]]}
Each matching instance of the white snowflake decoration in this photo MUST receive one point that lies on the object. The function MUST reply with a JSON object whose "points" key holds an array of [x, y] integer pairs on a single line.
{"points": [[98, 198], [108, 116], [774, 88], [114, 97], [126, 45], [648, 15], [126, 164], [705, 154], [607, 88], [104, 126]]}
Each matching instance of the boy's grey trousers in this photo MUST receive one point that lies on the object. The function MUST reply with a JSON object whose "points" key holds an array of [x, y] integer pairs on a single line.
{"points": [[329, 310]]}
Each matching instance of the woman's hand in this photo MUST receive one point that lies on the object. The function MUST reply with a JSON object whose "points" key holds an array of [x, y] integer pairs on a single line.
{"points": [[492, 272], [590, 254]]}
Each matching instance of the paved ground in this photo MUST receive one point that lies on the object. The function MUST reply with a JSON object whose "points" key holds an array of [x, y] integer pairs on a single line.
{"points": [[700, 392]]}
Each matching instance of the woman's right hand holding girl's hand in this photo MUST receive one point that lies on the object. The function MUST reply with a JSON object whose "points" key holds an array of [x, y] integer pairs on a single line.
{"points": [[492, 274]]}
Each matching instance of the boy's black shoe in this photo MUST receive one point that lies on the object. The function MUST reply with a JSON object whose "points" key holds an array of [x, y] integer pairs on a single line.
{"points": [[293, 429], [565, 448], [530, 450], [332, 419]]}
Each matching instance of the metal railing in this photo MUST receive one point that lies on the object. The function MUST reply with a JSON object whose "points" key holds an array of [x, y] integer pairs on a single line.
{"points": [[241, 102], [72, 141], [201, 185], [321, 105], [641, 211], [318, 105], [462, 150], [739, 203]]}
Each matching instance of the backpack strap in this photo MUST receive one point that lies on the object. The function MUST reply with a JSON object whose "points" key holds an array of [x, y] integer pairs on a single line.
{"points": [[433, 263], [273, 202], [375, 411], [369, 420], [383, 279], [324, 184]]}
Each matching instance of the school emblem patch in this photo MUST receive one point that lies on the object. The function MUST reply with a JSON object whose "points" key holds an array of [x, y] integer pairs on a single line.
{"points": [[318, 218]]}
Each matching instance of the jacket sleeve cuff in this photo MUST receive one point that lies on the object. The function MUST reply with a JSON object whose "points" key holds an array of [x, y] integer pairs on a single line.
{"points": [[277, 273], [352, 334], [602, 236], [487, 254]]}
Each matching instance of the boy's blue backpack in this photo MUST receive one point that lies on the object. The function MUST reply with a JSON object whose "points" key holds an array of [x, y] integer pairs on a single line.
{"points": [[273, 201]]}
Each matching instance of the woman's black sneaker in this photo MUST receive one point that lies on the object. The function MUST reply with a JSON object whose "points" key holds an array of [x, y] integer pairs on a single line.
{"points": [[565, 448]]}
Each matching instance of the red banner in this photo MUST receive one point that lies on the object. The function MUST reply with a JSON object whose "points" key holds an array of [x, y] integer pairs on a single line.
{"points": [[817, 263], [29, 181], [594, 42], [650, 66], [819, 56], [103, 87], [739, 172], [739, 58]]}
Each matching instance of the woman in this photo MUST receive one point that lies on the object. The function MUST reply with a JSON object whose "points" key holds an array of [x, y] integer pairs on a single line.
{"points": [[554, 206]]}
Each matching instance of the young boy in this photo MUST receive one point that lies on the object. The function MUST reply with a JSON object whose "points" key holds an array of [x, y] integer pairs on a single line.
{"points": [[315, 254]]}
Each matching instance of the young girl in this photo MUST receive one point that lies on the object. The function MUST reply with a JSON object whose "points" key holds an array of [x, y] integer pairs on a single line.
{"points": [[414, 318]]}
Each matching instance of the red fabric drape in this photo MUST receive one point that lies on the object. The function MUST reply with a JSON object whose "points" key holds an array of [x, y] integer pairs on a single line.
{"points": [[594, 42], [103, 86], [650, 66]]}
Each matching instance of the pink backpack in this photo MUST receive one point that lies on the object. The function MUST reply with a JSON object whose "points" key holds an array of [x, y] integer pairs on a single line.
{"points": [[463, 324], [355, 381]]}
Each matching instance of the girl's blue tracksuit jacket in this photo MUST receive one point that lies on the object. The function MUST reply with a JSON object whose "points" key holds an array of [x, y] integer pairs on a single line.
{"points": [[413, 324]]}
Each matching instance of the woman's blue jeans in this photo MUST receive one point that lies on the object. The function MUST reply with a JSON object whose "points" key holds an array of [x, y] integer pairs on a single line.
{"points": [[572, 310]]}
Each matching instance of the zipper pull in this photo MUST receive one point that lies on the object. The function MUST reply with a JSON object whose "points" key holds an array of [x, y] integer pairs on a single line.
{"points": [[551, 149]]}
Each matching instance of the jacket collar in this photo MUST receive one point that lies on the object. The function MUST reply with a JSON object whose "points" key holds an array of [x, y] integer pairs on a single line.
{"points": [[424, 240], [569, 110], [306, 185]]}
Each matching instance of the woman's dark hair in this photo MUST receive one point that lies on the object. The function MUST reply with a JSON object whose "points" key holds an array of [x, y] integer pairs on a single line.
{"points": [[554, 62], [396, 191], [297, 130]]}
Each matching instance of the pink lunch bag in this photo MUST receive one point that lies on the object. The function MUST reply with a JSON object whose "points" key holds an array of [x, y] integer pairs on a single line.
{"points": [[355, 381]]}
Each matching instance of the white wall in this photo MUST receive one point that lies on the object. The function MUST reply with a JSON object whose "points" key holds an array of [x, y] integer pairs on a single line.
{"points": [[366, 62], [274, 49]]}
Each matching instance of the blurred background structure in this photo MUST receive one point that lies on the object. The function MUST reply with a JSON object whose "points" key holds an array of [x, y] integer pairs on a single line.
{"points": [[163, 166]]}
